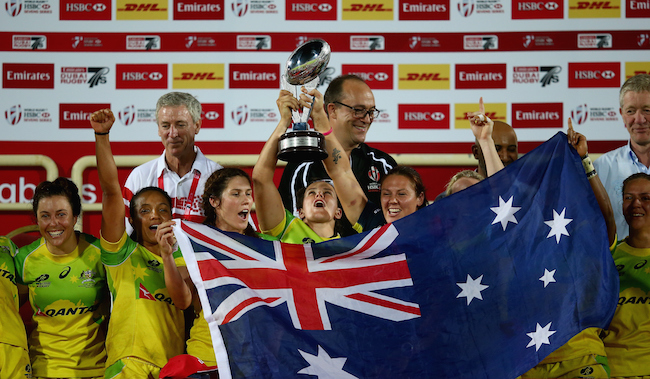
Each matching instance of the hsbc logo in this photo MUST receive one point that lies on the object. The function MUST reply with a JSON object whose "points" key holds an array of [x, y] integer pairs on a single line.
{"points": [[594, 75], [537, 6], [85, 7], [141, 76], [376, 76], [317, 10], [423, 116], [146, 76], [211, 115], [608, 74]]}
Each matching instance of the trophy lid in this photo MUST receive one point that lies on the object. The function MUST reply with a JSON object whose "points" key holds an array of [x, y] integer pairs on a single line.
{"points": [[307, 61]]}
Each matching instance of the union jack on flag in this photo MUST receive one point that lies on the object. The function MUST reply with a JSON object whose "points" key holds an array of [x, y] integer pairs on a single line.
{"points": [[293, 276], [482, 284]]}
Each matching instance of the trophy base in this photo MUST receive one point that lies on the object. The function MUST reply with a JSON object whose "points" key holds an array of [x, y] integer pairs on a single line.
{"points": [[302, 146]]}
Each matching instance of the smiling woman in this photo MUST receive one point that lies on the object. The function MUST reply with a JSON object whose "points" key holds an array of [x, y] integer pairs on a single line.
{"points": [[146, 328], [66, 283]]}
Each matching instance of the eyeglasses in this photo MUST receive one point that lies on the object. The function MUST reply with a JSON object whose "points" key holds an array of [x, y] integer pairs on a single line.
{"points": [[360, 112]]}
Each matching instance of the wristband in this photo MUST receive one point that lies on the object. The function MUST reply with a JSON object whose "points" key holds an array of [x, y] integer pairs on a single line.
{"points": [[101, 134], [588, 165], [327, 132]]}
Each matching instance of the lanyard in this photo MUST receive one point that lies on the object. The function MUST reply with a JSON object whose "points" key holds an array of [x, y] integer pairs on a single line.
{"points": [[190, 196]]}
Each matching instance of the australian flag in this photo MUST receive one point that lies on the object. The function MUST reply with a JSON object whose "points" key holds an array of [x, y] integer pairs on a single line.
{"points": [[482, 284]]}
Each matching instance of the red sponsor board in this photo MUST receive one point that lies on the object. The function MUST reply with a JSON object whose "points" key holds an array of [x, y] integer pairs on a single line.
{"points": [[212, 115], [424, 9], [141, 76], [637, 8], [378, 76], [28, 75], [527, 10], [198, 9], [472, 76], [537, 115], [250, 75], [594, 75], [311, 10], [85, 10], [77, 115], [423, 116]]}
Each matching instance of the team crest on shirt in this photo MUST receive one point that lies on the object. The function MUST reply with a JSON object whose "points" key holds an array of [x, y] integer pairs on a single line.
{"points": [[87, 278], [373, 175], [41, 281], [154, 265]]}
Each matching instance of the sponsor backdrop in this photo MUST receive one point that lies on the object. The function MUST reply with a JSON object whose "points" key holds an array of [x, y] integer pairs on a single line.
{"points": [[535, 63]]}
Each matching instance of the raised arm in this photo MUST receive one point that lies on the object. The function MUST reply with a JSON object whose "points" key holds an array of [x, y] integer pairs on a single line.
{"points": [[349, 191], [177, 279], [579, 142], [112, 226], [482, 127], [268, 202]]}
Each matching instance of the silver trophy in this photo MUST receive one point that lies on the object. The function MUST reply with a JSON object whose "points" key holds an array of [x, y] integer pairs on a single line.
{"points": [[303, 67]]}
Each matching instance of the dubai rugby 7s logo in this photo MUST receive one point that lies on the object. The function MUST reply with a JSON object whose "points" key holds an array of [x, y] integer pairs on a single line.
{"points": [[14, 114], [580, 114], [466, 7], [14, 7], [240, 114], [240, 7], [127, 115]]}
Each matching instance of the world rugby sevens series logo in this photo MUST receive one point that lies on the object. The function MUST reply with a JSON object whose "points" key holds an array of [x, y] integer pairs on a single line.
{"points": [[14, 114], [466, 7], [580, 114], [127, 115], [240, 115], [14, 7], [240, 7]]}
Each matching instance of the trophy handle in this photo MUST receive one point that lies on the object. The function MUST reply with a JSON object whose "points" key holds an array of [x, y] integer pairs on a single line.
{"points": [[300, 118]]}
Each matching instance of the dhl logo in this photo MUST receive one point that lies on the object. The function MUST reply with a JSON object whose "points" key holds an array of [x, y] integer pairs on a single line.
{"points": [[423, 76], [636, 68], [495, 111], [142, 8], [594, 5], [198, 76], [594, 9], [191, 76], [491, 115], [367, 10], [433, 76]]}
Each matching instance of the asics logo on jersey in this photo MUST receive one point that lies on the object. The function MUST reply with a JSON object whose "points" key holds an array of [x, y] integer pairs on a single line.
{"points": [[65, 272]]}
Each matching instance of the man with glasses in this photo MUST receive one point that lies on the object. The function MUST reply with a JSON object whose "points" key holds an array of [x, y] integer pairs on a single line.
{"points": [[350, 106]]}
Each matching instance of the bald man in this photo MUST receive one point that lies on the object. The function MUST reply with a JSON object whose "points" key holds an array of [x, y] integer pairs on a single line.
{"points": [[505, 140]]}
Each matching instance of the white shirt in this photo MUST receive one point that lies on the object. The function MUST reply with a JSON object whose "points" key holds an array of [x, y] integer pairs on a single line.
{"points": [[612, 168], [154, 172]]}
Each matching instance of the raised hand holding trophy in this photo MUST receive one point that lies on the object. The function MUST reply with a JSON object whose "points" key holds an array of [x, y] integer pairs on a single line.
{"points": [[303, 68]]}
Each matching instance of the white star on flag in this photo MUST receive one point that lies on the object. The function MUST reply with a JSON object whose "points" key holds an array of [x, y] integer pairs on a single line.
{"points": [[505, 212], [323, 366], [548, 277], [471, 289], [540, 336], [558, 225]]}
